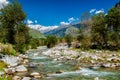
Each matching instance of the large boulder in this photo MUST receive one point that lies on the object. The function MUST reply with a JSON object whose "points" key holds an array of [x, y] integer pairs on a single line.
{"points": [[21, 68], [11, 60]]}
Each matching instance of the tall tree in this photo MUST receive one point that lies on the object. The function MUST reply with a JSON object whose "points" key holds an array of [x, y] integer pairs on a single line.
{"points": [[113, 22], [12, 21], [11, 16], [99, 30]]}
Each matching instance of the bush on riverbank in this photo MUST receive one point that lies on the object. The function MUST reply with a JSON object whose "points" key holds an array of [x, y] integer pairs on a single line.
{"points": [[7, 49]]}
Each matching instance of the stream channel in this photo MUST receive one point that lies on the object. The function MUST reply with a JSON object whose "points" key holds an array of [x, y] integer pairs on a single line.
{"points": [[51, 69]]}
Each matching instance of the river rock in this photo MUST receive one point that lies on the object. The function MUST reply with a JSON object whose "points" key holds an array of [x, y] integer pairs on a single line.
{"points": [[11, 60], [21, 68], [60, 71], [107, 65], [26, 78], [23, 56], [35, 74], [32, 65], [10, 71], [1, 55], [16, 78], [96, 78], [26, 61]]}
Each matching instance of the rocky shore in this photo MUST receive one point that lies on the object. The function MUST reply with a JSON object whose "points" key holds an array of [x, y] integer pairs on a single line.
{"points": [[94, 58], [16, 65]]}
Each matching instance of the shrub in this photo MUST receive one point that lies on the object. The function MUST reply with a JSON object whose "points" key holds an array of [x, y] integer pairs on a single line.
{"points": [[51, 41], [86, 43], [7, 49]]}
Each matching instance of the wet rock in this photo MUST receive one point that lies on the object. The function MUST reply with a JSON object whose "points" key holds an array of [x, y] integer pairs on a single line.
{"points": [[10, 71], [96, 78], [11, 60], [60, 71], [78, 67], [21, 68], [16, 78], [26, 61], [107, 65], [26, 78], [94, 67], [23, 56], [32, 65], [35, 75], [1, 55]]}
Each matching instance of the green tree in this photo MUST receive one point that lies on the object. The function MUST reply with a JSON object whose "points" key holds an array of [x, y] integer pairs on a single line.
{"points": [[12, 21], [51, 41], [99, 31], [11, 16], [113, 23], [68, 39]]}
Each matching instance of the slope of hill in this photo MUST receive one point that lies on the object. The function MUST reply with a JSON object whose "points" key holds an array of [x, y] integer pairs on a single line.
{"points": [[36, 34]]}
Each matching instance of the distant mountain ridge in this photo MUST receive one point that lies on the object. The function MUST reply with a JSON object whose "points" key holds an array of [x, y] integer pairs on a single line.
{"points": [[57, 31], [41, 28]]}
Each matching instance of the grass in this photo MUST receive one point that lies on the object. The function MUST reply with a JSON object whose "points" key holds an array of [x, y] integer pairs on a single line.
{"points": [[2, 64], [36, 34]]}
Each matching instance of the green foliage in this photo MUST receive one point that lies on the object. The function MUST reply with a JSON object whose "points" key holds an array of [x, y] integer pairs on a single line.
{"points": [[113, 22], [7, 49], [106, 30], [81, 36], [12, 15], [2, 65], [34, 43], [36, 34], [13, 28], [86, 43], [51, 41], [99, 30], [68, 39]]}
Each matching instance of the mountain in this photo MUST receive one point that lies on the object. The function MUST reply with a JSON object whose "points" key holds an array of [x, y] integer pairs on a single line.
{"points": [[36, 34], [60, 31], [54, 30], [41, 28]]}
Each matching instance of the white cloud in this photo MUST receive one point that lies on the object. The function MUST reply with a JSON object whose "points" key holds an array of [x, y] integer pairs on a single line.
{"points": [[71, 19], [99, 11], [3, 3], [29, 21], [92, 10], [42, 28], [64, 23]]}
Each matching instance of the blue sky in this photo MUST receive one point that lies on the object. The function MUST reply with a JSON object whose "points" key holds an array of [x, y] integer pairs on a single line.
{"points": [[56, 12]]}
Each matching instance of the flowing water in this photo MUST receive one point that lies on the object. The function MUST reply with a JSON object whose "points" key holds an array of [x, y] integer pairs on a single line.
{"points": [[65, 70]]}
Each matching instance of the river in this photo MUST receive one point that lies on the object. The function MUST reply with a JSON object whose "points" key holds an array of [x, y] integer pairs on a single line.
{"points": [[51, 69]]}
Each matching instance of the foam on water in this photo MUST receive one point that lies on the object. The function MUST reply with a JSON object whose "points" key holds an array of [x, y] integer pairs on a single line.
{"points": [[84, 72]]}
